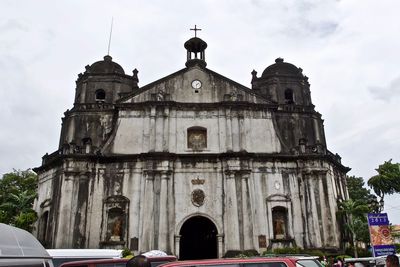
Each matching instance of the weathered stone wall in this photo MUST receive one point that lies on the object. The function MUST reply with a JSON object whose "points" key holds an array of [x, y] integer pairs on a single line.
{"points": [[238, 200]]}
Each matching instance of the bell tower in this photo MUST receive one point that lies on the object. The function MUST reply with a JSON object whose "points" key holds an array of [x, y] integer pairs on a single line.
{"points": [[195, 50]]}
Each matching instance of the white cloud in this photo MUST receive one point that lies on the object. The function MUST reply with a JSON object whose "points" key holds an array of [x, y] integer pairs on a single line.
{"points": [[388, 93]]}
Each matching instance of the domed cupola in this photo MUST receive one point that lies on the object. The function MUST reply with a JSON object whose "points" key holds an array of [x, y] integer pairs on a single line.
{"points": [[283, 83], [104, 82], [106, 66], [195, 50], [281, 68]]}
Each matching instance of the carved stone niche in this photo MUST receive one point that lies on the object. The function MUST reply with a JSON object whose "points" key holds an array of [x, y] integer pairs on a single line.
{"points": [[115, 222], [197, 138]]}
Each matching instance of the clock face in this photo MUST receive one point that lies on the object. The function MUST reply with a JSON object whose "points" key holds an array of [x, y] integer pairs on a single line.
{"points": [[196, 84]]}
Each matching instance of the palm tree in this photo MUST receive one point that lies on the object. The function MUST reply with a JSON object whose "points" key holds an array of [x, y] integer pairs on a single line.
{"points": [[19, 209], [387, 181], [354, 212]]}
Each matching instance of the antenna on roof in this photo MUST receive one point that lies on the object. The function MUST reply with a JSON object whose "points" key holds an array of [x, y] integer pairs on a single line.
{"points": [[109, 39]]}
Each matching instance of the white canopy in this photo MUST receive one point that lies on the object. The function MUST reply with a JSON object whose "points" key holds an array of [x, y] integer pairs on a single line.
{"points": [[18, 243]]}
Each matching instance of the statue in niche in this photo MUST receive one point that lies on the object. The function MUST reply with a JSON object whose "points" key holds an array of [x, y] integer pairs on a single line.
{"points": [[116, 229], [160, 95], [234, 95], [279, 225]]}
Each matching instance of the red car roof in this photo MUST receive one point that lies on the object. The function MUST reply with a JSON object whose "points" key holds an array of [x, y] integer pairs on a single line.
{"points": [[228, 261], [103, 261]]}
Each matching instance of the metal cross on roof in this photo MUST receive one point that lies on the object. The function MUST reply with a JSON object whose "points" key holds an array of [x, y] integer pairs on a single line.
{"points": [[195, 30]]}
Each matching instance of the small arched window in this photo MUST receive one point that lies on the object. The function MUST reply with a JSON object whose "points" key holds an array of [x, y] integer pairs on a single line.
{"points": [[289, 97], [279, 222], [42, 236], [100, 95], [197, 138]]}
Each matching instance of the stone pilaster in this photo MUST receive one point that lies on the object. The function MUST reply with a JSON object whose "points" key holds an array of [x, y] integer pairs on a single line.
{"points": [[228, 130], [177, 245], [247, 226], [231, 213], [220, 240], [152, 130], [163, 224], [165, 139], [147, 238], [63, 238]]}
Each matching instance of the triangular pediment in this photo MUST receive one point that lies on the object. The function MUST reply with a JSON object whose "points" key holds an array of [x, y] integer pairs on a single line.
{"points": [[194, 85]]}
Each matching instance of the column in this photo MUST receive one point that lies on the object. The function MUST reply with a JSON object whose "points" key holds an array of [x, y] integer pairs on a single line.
{"points": [[159, 132], [235, 133], [222, 130], [316, 130], [177, 245], [152, 131], [163, 223], [247, 226], [172, 136], [228, 130], [146, 132], [221, 251], [232, 217], [242, 133], [134, 210], [165, 137], [63, 238], [147, 238]]}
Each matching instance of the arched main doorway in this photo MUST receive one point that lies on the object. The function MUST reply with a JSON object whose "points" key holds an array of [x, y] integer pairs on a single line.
{"points": [[198, 239]]}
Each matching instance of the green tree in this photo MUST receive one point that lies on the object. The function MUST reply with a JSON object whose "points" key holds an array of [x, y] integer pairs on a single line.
{"points": [[387, 181], [353, 212], [358, 192], [18, 191]]}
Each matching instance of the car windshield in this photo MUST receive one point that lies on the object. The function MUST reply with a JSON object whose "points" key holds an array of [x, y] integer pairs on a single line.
{"points": [[308, 263]]}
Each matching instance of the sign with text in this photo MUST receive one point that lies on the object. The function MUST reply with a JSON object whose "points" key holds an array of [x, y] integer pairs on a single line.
{"points": [[381, 238]]}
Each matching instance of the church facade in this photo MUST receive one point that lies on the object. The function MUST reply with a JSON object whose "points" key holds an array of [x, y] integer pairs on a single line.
{"points": [[194, 164]]}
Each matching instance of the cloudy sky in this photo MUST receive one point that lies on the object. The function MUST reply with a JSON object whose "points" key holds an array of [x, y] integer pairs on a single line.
{"points": [[349, 49]]}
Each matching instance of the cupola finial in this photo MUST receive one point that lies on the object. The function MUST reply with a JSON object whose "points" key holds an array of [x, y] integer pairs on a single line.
{"points": [[195, 30]]}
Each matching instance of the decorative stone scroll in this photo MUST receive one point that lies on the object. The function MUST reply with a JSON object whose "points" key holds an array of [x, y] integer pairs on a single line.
{"points": [[198, 181]]}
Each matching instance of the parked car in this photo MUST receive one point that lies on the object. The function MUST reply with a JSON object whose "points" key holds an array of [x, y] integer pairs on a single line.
{"points": [[61, 256], [18, 248], [367, 261], [288, 261], [151, 261], [97, 263]]}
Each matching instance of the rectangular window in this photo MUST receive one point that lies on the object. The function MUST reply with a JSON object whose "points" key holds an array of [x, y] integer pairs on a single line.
{"points": [[265, 264]]}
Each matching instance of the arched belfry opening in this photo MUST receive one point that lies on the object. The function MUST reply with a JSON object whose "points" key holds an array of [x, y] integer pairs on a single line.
{"points": [[198, 239]]}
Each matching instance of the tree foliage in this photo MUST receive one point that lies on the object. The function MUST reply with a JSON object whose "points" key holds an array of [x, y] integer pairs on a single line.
{"points": [[358, 192], [18, 190], [353, 211], [387, 181]]}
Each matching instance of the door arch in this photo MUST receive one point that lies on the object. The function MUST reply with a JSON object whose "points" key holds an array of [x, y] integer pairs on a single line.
{"points": [[198, 239]]}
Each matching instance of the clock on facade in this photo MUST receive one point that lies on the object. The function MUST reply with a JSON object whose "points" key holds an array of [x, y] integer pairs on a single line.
{"points": [[196, 84]]}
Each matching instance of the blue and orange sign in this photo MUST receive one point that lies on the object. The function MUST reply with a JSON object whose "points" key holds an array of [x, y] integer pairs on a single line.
{"points": [[381, 238]]}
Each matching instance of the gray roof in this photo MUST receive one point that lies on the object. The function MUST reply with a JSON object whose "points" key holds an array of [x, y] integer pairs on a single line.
{"points": [[18, 243]]}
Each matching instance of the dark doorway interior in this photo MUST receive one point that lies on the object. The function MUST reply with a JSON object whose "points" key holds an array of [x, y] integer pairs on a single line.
{"points": [[198, 239]]}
